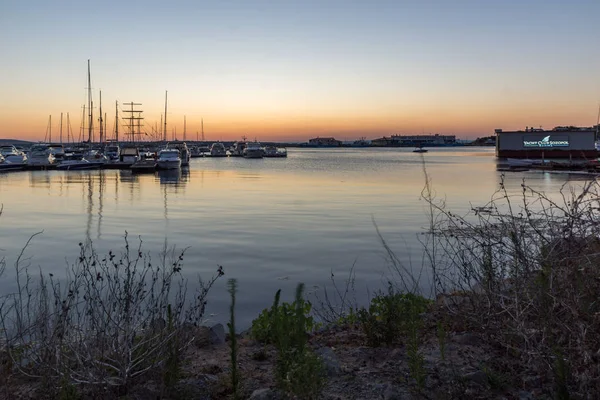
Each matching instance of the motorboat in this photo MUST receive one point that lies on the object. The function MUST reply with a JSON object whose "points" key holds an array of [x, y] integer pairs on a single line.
{"points": [[168, 159], [184, 152], [238, 149], [146, 163], [58, 151], [112, 152], [129, 155], [12, 155], [274, 152], [6, 166], [253, 150], [420, 150], [76, 161], [218, 150], [40, 155]]}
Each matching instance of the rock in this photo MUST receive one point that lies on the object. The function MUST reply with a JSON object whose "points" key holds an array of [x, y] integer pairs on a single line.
{"points": [[330, 361], [393, 393], [467, 338], [478, 377], [523, 395], [192, 389], [263, 394], [217, 334], [201, 336]]}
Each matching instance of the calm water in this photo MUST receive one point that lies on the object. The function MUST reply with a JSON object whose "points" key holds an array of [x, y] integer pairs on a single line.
{"points": [[270, 223]]}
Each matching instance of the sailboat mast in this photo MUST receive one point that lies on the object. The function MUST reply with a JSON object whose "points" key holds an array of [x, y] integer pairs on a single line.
{"points": [[61, 119], [598, 123], [117, 121], [165, 131], [50, 129], [100, 120], [90, 120], [202, 125]]}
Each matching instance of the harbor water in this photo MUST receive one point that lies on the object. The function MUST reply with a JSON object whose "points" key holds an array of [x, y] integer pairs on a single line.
{"points": [[270, 223]]}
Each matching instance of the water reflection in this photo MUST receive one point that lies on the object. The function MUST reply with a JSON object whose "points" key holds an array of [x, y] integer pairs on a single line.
{"points": [[173, 176]]}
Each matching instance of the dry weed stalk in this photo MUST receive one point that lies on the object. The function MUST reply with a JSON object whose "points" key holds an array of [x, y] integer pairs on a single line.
{"points": [[111, 320], [524, 269]]}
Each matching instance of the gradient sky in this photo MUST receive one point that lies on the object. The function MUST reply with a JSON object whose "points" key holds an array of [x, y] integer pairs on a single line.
{"points": [[290, 70]]}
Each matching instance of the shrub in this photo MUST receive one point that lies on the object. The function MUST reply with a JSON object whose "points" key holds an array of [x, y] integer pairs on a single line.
{"points": [[298, 370], [391, 316], [286, 316], [113, 319]]}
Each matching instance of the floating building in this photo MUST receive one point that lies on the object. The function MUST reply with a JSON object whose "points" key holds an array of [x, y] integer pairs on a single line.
{"points": [[560, 142], [324, 142], [415, 141]]}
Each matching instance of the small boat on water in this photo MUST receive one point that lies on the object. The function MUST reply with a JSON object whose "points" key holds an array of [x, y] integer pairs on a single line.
{"points": [[218, 150], [253, 150], [184, 152], [420, 149], [76, 161], [129, 155], [112, 152], [147, 163], [238, 149], [168, 159], [12, 155], [6, 166], [274, 152], [40, 155]]}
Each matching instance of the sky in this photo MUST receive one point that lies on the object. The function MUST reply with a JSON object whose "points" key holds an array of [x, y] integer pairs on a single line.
{"points": [[291, 70]]}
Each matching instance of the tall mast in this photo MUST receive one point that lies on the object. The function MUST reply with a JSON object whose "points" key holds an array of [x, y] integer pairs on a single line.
{"points": [[91, 116], [202, 125], [61, 115], [69, 129], [100, 120], [49, 130], [161, 126], [117, 121], [82, 129], [598, 123], [165, 131]]}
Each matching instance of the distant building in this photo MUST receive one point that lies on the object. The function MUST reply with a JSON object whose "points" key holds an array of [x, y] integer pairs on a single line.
{"points": [[560, 142], [324, 142], [415, 140]]}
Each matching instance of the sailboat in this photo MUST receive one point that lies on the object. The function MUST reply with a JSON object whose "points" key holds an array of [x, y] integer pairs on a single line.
{"points": [[77, 160]]}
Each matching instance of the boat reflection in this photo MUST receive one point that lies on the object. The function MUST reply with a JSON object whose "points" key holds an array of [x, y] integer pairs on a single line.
{"points": [[173, 176]]}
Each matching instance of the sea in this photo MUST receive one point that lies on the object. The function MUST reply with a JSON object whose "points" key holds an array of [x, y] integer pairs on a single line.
{"points": [[313, 217]]}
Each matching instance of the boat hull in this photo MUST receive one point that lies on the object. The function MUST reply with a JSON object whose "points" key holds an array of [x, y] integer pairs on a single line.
{"points": [[79, 166]]}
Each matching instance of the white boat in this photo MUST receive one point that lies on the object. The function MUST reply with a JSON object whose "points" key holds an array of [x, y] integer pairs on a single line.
{"points": [[238, 149], [129, 155], [253, 150], [76, 161], [274, 152], [12, 155], [168, 159], [184, 152], [58, 151], [420, 149], [40, 155], [218, 150], [112, 152]]}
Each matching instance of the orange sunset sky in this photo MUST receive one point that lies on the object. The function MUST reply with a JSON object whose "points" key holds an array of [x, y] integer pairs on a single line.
{"points": [[293, 70]]}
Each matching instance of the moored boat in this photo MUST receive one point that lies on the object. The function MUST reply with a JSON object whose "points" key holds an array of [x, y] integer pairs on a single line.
{"points": [[168, 159], [218, 150], [274, 152], [40, 155], [184, 152], [12, 155], [253, 150], [76, 161]]}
